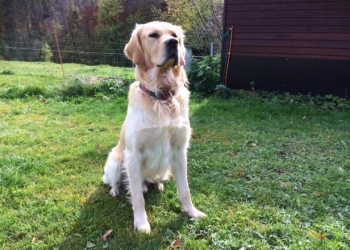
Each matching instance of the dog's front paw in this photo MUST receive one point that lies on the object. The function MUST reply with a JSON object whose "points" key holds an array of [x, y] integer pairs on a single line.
{"points": [[143, 228], [195, 213], [141, 223], [114, 192]]}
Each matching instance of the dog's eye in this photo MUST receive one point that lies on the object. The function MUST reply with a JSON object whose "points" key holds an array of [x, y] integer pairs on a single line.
{"points": [[174, 35], [154, 35]]}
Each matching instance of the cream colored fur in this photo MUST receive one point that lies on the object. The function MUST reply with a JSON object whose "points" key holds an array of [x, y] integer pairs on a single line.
{"points": [[155, 134]]}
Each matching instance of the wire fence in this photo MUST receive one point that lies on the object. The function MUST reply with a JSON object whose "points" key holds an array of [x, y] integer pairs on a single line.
{"points": [[30, 46], [89, 50]]}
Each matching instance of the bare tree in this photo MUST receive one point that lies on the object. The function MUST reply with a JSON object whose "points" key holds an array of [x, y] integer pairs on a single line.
{"points": [[202, 19]]}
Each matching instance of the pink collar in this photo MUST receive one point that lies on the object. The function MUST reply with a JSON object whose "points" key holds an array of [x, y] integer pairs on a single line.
{"points": [[162, 95]]}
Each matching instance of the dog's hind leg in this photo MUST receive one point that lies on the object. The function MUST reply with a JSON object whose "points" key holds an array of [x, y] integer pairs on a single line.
{"points": [[112, 175], [144, 187], [114, 166]]}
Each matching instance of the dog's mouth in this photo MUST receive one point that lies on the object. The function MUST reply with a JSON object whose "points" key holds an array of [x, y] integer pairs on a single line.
{"points": [[171, 61]]}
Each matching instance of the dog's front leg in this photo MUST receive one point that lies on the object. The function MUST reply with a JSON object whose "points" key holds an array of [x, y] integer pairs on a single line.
{"points": [[180, 174], [133, 163]]}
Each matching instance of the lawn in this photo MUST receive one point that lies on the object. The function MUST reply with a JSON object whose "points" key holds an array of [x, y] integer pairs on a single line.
{"points": [[270, 175]]}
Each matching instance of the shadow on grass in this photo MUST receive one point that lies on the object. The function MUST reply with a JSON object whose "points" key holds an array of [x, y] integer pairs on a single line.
{"points": [[102, 212]]}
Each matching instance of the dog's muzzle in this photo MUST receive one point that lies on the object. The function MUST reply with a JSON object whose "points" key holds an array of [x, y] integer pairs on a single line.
{"points": [[171, 53]]}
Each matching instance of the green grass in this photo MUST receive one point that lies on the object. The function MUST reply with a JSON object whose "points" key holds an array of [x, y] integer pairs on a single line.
{"points": [[46, 79], [269, 175]]}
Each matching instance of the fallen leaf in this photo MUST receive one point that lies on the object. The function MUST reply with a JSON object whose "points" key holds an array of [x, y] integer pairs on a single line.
{"points": [[304, 117], [90, 245], [98, 147], [176, 244], [34, 239], [308, 180], [20, 235], [317, 194], [107, 234], [43, 100], [94, 202], [284, 185], [318, 235], [280, 170], [321, 237]]}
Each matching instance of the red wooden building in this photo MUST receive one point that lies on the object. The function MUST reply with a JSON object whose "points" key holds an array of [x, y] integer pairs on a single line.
{"points": [[294, 46]]}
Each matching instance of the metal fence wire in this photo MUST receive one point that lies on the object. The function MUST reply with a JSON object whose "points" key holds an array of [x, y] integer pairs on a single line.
{"points": [[30, 46], [84, 49]]}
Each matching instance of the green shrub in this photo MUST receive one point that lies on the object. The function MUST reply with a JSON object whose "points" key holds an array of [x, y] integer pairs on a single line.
{"points": [[204, 75], [328, 102], [106, 88], [46, 53], [7, 72], [222, 91], [23, 92]]}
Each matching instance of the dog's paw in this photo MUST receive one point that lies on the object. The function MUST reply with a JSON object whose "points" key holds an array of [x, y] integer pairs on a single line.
{"points": [[195, 213], [141, 223], [159, 186], [114, 192], [144, 187], [143, 228]]}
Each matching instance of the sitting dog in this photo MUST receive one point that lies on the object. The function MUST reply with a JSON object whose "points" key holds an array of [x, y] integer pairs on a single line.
{"points": [[156, 132]]}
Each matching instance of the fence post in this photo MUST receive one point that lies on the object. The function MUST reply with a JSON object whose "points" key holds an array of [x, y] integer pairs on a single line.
{"points": [[211, 49], [59, 51]]}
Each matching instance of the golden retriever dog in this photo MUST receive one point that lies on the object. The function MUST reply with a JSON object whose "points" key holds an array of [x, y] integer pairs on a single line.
{"points": [[156, 132]]}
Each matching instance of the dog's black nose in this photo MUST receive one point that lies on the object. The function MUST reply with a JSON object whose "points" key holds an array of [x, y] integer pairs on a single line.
{"points": [[172, 42]]}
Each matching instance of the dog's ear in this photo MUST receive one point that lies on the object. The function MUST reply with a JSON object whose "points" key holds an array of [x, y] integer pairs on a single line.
{"points": [[133, 49], [182, 52], [182, 48]]}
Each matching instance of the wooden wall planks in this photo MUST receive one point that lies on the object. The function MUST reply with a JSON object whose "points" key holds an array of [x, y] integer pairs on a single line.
{"points": [[290, 28], [294, 46]]}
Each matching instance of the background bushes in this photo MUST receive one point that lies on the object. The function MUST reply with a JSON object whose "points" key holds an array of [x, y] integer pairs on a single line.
{"points": [[204, 75]]}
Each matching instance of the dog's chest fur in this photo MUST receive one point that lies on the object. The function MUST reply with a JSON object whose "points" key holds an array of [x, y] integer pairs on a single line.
{"points": [[156, 131], [158, 147]]}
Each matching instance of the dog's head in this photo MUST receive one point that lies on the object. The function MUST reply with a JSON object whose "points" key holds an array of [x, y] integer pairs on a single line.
{"points": [[156, 44]]}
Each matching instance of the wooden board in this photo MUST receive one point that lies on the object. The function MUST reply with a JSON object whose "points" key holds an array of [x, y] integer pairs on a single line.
{"points": [[296, 46], [313, 28]]}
